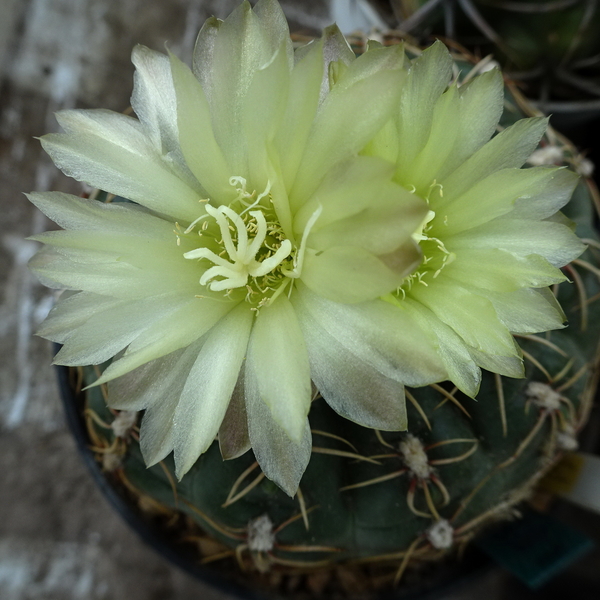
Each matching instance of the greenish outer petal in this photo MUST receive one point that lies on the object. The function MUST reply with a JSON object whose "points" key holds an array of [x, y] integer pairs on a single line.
{"points": [[426, 165], [176, 331], [481, 105], [102, 274], [371, 62], [508, 366], [261, 116], [335, 50], [208, 388], [554, 241], [428, 77], [198, 144], [471, 316], [350, 274], [379, 335], [498, 270], [234, 439], [277, 347], [353, 388], [337, 134], [494, 196], [527, 310], [509, 149], [111, 152], [549, 200], [150, 383], [451, 348]]}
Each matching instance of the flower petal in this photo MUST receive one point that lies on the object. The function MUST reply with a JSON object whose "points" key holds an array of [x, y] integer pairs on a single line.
{"points": [[352, 388], [350, 274], [281, 459], [177, 330], [337, 134], [495, 196], [554, 241], [471, 316], [198, 144], [277, 346], [500, 271], [428, 77], [111, 152], [208, 388], [378, 334], [234, 439], [509, 149]]}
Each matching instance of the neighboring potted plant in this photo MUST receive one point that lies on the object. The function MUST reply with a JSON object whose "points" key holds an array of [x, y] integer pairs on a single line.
{"points": [[288, 235]]}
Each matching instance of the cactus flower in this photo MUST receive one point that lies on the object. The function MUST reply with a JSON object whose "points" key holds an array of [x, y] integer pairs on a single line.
{"points": [[294, 217]]}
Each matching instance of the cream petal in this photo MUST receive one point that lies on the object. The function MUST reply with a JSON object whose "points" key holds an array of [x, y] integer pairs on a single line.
{"points": [[378, 334], [198, 144], [209, 387], [280, 458], [73, 212], [262, 114], [509, 366], [387, 223], [153, 98], [528, 310], [354, 389], [239, 46], [277, 346], [425, 167], [71, 312], [110, 151], [106, 333], [164, 336], [156, 431], [549, 200], [350, 187], [300, 111]]}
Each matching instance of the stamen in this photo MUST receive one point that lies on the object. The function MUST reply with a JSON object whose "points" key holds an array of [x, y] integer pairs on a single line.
{"points": [[299, 258]]}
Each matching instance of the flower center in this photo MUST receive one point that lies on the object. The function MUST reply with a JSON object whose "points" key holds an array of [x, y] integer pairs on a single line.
{"points": [[435, 254], [247, 247]]}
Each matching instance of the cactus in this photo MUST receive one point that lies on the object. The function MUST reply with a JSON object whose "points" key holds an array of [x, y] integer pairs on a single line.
{"points": [[272, 232], [380, 503]]}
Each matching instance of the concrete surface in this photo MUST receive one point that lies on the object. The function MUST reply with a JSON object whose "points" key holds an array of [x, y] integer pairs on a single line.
{"points": [[59, 539]]}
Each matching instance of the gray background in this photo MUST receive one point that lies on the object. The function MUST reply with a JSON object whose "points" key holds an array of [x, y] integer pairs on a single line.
{"points": [[59, 539]]}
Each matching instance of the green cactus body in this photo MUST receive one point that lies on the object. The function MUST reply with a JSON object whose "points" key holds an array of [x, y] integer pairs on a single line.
{"points": [[384, 498]]}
